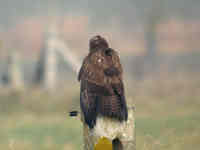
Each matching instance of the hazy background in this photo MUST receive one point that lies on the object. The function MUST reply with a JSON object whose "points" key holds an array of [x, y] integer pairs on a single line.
{"points": [[43, 43]]}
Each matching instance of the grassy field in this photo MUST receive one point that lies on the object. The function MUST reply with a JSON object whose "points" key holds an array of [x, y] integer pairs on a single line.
{"points": [[163, 121], [54, 132]]}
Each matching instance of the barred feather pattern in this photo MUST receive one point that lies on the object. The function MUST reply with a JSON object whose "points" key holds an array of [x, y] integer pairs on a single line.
{"points": [[102, 89]]}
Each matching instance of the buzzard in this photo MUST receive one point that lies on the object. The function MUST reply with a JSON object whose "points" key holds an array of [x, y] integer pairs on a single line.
{"points": [[102, 89]]}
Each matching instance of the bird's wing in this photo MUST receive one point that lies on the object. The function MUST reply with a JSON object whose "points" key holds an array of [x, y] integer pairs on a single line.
{"points": [[114, 73], [83, 67], [120, 98], [89, 100], [88, 103], [114, 105]]}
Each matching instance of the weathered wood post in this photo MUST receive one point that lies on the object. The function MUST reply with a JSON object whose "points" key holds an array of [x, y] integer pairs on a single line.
{"points": [[108, 134]]}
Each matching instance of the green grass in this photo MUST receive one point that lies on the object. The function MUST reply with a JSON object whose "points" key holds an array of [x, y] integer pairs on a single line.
{"points": [[167, 118], [178, 123], [172, 132], [32, 132], [46, 132]]}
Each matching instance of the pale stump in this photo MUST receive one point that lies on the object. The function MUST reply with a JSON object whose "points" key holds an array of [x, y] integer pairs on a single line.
{"points": [[111, 129]]}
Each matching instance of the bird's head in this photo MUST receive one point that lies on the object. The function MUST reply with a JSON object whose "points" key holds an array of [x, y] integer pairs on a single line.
{"points": [[97, 42]]}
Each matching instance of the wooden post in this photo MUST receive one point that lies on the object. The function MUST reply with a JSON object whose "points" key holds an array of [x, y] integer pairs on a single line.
{"points": [[113, 131]]}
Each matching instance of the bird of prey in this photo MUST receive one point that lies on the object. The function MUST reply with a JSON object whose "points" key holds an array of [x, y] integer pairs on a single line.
{"points": [[102, 90]]}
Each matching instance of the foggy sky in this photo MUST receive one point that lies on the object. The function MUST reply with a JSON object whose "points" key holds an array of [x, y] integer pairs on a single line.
{"points": [[128, 11]]}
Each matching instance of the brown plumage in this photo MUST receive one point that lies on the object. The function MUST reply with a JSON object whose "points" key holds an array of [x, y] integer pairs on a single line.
{"points": [[102, 89]]}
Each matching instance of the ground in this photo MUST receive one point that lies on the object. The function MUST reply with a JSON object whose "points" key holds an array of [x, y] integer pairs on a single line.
{"points": [[162, 122]]}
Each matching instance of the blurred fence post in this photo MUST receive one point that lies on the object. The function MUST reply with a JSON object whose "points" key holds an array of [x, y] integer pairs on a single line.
{"points": [[151, 57], [15, 72], [112, 131]]}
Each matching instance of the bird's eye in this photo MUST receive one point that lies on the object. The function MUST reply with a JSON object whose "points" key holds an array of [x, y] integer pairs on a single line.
{"points": [[108, 52], [99, 60]]}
